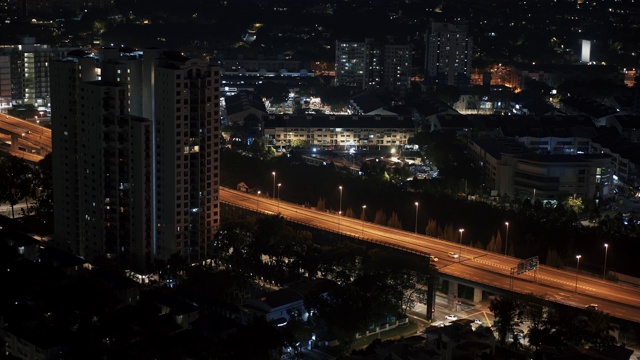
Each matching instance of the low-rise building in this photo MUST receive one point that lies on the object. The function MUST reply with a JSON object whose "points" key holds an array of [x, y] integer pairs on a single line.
{"points": [[36, 342], [460, 341], [512, 169], [279, 306], [338, 131]]}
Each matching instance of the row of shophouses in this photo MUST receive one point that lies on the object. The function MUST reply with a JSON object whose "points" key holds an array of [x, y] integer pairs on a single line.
{"points": [[538, 157]]}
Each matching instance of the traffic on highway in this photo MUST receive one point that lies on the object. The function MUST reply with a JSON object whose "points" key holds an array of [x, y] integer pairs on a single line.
{"points": [[486, 269]]}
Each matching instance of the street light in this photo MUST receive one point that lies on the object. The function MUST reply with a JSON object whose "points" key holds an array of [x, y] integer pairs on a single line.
{"points": [[279, 197], [340, 208], [416, 227], [273, 194], [577, 271], [460, 252], [506, 239], [363, 208], [258, 201], [606, 250]]}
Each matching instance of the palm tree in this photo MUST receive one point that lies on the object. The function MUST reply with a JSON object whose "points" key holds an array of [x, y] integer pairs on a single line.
{"points": [[598, 330]]}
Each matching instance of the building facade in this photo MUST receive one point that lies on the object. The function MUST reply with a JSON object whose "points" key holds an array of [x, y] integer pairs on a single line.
{"points": [[136, 155], [339, 132], [373, 65], [24, 72], [449, 51], [511, 169]]}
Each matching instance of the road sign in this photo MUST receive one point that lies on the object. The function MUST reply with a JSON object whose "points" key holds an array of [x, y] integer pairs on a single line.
{"points": [[528, 265]]}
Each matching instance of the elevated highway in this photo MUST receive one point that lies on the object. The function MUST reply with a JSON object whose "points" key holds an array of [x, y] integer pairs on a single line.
{"points": [[478, 268], [24, 139]]}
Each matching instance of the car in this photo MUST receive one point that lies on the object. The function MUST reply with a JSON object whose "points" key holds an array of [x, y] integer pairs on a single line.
{"points": [[433, 258], [477, 321], [593, 307], [438, 324], [451, 317], [518, 331], [452, 254]]}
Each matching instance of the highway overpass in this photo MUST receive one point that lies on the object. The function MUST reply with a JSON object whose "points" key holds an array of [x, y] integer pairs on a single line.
{"points": [[25, 139], [477, 268]]}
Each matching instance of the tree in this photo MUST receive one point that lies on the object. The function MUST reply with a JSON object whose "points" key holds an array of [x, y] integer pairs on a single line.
{"points": [[505, 312], [16, 182], [276, 93], [381, 217], [574, 204], [320, 204], [300, 144], [42, 189], [447, 93], [554, 259], [394, 221], [598, 330], [337, 97], [495, 244], [349, 213], [432, 228]]}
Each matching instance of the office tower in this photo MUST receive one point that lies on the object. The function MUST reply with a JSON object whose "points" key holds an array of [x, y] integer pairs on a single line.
{"points": [[448, 56], [136, 155], [373, 65]]}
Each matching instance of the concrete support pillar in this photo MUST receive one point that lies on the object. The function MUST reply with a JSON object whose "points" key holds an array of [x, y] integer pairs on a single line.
{"points": [[452, 295], [14, 142], [477, 295]]}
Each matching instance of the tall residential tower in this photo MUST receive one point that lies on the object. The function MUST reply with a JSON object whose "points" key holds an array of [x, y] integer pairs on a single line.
{"points": [[448, 56], [136, 155], [373, 65]]}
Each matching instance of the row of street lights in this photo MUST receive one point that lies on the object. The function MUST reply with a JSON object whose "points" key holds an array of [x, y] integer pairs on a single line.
{"points": [[417, 204], [604, 272]]}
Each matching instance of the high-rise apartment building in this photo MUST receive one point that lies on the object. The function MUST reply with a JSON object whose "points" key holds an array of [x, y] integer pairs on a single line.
{"points": [[373, 65], [448, 56], [24, 72], [136, 155]]}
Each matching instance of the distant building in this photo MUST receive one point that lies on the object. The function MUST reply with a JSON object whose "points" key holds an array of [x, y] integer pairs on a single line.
{"points": [[555, 74], [514, 170], [373, 65], [136, 163], [279, 306], [56, 6], [339, 131], [33, 342], [449, 51], [241, 106], [24, 72]]}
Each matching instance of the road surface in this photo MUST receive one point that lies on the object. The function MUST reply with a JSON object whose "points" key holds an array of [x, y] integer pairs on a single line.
{"points": [[482, 267]]}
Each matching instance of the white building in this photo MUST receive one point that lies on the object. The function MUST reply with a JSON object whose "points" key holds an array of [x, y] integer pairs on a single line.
{"points": [[338, 131]]}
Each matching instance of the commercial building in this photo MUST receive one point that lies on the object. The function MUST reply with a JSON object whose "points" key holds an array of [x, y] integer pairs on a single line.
{"points": [[512, 169], [339, 131], [136, 155], [449, 51], [373, 65]]}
